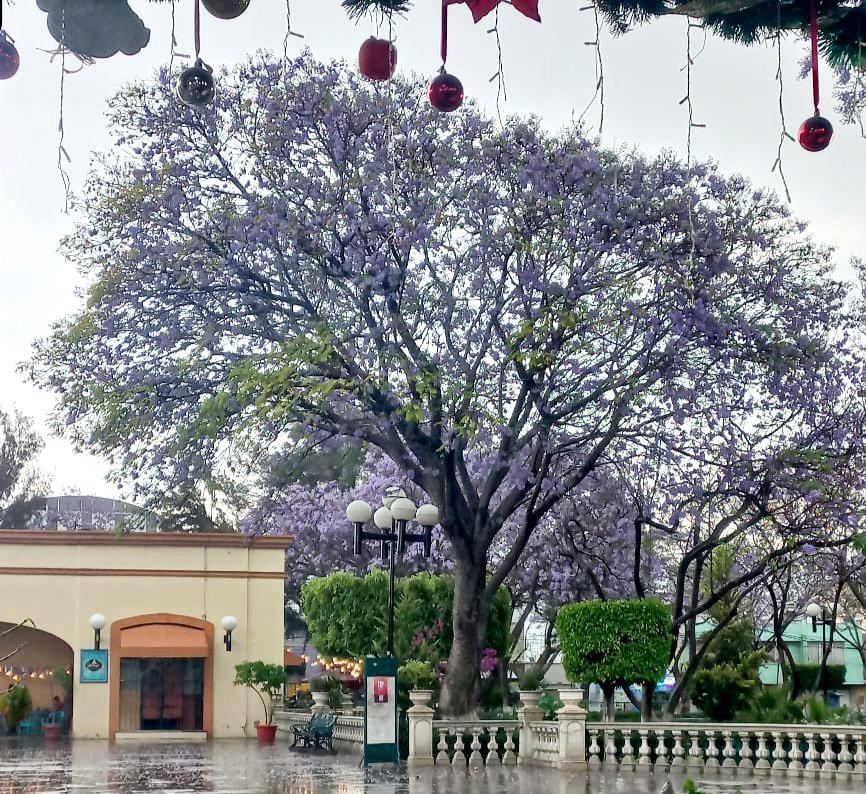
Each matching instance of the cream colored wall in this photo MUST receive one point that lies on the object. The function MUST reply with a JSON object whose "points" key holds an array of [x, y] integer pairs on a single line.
{"points": [[62, 605]]}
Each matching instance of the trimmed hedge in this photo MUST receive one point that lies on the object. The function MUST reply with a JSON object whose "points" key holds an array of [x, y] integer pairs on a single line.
{"points": [[807, 676], [347, 616], [615, 643]]}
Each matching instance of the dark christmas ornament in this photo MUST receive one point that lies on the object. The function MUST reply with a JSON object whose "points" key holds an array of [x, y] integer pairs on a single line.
{"points": [[195, 85], [377, 59], [9, 60], [815, 133], [445, 92], [98, 28], [226, 9]]}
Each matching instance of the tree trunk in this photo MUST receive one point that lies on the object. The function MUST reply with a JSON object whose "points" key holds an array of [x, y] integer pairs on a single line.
{"points": [[609, 704], [462, 682], [646, 704]]}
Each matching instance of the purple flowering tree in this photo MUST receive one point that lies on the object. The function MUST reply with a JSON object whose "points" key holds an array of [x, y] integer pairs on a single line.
{"points": [[316, 254]]}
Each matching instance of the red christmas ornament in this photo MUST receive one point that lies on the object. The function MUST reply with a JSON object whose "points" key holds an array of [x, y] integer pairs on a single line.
{"points": [[377, 59], [445, 92], [226, 9], [9, 60], [481, 8], [815, 133]]}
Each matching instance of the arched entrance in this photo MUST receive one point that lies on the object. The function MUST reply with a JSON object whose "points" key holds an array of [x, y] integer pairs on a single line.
{"points": [[40, 662], [161, 674]]}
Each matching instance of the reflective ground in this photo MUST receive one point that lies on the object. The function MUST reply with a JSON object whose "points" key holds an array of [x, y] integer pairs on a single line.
{"points": [[243, 767]]}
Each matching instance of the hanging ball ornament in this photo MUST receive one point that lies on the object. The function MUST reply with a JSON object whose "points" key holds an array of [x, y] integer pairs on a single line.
{"points": [[815, 133], [377, 59], [195, 85], [226, 9], [9, 60], [445, 92]]}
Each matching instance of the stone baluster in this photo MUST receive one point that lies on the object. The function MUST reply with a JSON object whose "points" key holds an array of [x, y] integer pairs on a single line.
{"points": [[845, 767], [442, 756], [610, 751], [762, 765], [678, 760], [728, 751], [696, 754], [476, 760], [795, 755], [828, 757], [746, 763], [780, 763], [712, 763], [627, 761], [812, 766], [644, 761], [859, 755], [509, 758], [594, 751], [459, 757]]}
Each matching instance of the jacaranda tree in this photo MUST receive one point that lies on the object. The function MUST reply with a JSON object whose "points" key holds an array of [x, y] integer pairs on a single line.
{"points": [[492, 306]]}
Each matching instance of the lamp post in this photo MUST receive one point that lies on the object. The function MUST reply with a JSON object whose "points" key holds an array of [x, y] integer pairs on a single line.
{"points": [[816, 611], [392, 533]]}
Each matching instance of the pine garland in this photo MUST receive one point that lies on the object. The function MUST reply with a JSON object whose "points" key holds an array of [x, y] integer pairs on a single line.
{"points": [[357, 8]]}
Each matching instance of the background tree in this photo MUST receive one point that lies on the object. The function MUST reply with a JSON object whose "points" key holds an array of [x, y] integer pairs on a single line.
{"points": [[22, 487], [492, 307]]}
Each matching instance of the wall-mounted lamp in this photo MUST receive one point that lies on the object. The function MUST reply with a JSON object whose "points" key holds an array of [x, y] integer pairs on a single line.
{"points": [[97, 623], [229, 624]]}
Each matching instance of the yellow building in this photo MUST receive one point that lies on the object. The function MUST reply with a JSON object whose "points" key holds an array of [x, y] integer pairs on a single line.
{"points": [[168, 663]]}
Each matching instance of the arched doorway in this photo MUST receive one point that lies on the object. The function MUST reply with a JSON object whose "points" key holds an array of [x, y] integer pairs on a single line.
{"points": [[40, 662], [161, 674]]}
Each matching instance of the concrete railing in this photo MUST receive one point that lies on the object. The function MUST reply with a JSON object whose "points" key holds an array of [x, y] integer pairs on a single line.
{"points": [[478, 743], [800, 750], [348, 730]]}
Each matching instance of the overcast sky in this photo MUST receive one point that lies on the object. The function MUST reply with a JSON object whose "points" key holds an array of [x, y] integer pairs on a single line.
{"points": [[549, 72]]}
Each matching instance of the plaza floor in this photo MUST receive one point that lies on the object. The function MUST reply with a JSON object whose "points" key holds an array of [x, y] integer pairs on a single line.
{"points": [[243, 767]]}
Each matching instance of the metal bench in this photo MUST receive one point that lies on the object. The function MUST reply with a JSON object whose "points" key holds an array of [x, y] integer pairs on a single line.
{"points": [[317, 733]]}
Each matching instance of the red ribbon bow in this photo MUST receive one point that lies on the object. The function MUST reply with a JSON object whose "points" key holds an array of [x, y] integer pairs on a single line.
{"points": [[481, 8]]}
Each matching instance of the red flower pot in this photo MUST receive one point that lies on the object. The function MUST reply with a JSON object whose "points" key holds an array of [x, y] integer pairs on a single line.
{"points": [[267, 733], [51, 730], [377, 59]]}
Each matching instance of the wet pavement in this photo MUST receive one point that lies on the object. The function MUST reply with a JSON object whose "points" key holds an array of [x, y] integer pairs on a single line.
{"points": [[244, 767]]}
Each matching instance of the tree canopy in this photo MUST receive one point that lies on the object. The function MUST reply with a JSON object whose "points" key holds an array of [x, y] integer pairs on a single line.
{"points": [[22, 488], [498, 309]]}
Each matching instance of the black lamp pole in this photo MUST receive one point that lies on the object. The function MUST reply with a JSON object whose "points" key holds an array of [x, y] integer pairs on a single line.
{"points": [[822, 671], [393, 541]]}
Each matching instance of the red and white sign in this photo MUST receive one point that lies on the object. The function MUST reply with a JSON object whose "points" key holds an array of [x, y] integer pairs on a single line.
{"points": [[380, 689]]}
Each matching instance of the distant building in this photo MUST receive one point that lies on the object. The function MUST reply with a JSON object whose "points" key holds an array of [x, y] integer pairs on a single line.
{"points": [[95, 513]]}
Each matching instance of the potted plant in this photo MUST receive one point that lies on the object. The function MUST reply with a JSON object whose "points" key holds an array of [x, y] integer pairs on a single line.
{"points": [[15, 705], [322, 687], [420, 679], [529, 684], [267, 681]]}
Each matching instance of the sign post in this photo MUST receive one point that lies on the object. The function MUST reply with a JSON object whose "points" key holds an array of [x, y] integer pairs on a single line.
{"points": [[380, 711]]}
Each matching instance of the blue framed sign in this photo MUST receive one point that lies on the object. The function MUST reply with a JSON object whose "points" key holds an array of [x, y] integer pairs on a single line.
{"points": [[94, 667]]}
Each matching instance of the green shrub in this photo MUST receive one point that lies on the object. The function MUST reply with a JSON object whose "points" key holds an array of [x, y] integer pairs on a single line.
{"points": [[772, 705], [806, 677], [615, 643], [728, 677], [418, 674], [530, 679]]}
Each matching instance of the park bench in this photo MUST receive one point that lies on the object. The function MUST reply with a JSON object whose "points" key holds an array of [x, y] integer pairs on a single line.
{"points": [[317, 732]]}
